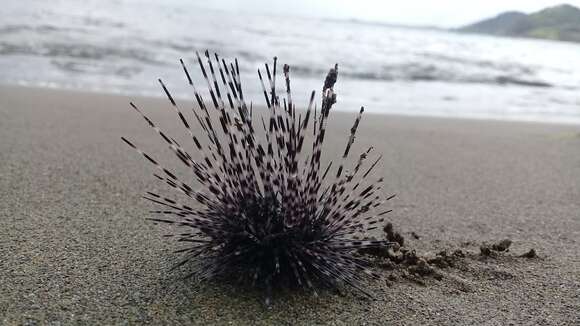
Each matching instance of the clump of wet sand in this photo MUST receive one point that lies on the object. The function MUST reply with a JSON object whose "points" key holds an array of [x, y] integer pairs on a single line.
{"points": [[402, 263]]}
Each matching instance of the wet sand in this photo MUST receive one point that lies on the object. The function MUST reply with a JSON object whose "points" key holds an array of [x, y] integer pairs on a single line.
{"points": [[75, 248]]}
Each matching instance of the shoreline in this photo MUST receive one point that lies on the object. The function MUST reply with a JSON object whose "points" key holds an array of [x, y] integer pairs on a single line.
{"points": [[467, 117]]}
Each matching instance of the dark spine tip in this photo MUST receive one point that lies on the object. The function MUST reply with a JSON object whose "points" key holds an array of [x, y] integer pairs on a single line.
{"points": [[128, 142]]}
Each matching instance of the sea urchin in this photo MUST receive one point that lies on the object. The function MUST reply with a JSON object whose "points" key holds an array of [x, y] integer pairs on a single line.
{"points": [[266, 213]]}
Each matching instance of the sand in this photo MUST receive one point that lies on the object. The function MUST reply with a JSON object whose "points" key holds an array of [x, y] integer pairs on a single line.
{"points": [[76, 249]]}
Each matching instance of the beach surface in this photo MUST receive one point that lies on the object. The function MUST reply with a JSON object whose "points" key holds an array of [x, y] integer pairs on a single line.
{"points": [[76, 248]]}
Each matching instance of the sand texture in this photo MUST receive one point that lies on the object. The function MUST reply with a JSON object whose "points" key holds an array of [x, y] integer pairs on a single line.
{"points": [[76, 249]]}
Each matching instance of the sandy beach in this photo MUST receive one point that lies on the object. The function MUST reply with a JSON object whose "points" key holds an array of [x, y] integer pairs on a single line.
{"points": [[76, 248]]}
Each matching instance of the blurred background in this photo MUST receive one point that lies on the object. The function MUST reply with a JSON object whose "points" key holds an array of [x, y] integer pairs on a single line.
{"points": [[513, 60]]}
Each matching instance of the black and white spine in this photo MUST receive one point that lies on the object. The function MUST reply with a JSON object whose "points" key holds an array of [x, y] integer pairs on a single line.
{"points": [[262, 209]]}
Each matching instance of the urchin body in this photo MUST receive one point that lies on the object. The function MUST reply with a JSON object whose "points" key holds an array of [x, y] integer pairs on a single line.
{"points": [[266, 212]]}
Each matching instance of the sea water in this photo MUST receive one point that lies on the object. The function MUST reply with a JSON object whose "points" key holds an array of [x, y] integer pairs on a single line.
{"points": [[123, 46]]}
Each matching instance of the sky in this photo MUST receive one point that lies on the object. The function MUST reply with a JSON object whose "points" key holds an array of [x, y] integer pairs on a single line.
{"points": [[441, 13]]}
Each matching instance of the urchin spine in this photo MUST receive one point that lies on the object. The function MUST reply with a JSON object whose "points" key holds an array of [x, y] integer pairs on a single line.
{"points": [[265, 212]]}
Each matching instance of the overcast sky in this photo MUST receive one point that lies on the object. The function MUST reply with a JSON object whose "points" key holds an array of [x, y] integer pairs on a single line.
{"points": [[443, 13]]}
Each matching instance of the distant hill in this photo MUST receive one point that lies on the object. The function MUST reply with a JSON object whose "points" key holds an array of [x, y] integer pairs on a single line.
{"points": [[555, 23]]}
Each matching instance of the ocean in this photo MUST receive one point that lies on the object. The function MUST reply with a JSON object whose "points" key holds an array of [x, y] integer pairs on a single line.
{"points": [[123, 46]]}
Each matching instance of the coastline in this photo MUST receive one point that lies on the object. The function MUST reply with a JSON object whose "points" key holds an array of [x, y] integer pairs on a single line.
{"points": [[158, 95], [77, 249]]}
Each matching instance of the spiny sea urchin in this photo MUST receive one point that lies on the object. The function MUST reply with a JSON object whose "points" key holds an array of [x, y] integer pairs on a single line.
{"points": [[266, 213]]}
